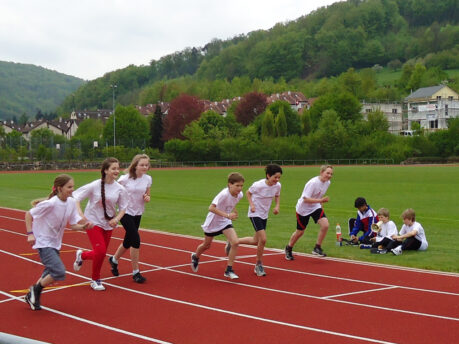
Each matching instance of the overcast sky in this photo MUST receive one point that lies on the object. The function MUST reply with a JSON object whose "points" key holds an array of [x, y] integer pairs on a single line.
{"points": [[88, 38]]}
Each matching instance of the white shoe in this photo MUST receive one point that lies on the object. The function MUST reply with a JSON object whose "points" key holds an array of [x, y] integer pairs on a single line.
{"points": [[231, 275], [97, 285], [397, 251], [78, 261]]}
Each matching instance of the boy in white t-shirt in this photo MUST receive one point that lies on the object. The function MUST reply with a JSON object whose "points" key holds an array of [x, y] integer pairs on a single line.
{"points": [[385, 235], [260, 196], [218, 221], [411, 236], [45, 224], [310, 205]]}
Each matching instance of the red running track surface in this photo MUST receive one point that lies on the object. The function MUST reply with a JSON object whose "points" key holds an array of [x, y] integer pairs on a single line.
{"points": [[310, 299]]}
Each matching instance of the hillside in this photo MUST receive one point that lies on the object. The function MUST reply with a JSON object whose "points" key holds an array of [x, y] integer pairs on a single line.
{"points": [[355, 34], [25, 88]]}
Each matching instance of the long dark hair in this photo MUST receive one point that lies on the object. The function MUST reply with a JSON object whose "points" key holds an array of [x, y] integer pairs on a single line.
{"points": [[105, 165]]}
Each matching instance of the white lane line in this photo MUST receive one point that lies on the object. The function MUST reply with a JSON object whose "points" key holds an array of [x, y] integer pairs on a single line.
{"points": [[90, 322], [173, 269], [357, 292]]}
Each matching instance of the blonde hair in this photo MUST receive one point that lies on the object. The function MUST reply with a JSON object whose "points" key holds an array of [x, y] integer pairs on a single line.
{"points": [[409, 214], [235, 177], [134, 163], [324, 167], [59, 181], [384, 212]]}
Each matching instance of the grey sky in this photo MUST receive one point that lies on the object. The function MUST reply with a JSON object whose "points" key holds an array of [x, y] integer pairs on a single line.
{"points": [[88, 38]]}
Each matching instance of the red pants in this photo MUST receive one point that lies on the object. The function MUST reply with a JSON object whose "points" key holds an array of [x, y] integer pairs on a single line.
{"points": [[99, 239]]}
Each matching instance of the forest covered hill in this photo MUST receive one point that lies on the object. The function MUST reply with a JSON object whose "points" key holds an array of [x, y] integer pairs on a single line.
{"points": [[356, 34], [25, 89]]}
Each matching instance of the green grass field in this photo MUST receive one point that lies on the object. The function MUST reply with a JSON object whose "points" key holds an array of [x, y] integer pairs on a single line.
{"points": [[180, 199]]}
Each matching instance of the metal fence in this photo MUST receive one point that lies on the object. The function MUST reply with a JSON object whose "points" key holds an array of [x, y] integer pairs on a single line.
{"points": [[37, 166]]}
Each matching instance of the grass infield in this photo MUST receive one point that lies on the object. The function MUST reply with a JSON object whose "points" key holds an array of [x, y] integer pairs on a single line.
{"points": [[180, 199]]}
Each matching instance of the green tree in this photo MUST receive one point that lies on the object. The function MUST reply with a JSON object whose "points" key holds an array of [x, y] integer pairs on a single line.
{"points": [[267, 124], [281, 123], [131, 127]]}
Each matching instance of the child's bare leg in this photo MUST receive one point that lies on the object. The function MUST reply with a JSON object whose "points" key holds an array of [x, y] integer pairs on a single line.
{"points": [[249, 240], [119, 252], [205, 245], [45, 281], [323, 223], [135, 252], [261, 236], [295, 236], [232, 238]]}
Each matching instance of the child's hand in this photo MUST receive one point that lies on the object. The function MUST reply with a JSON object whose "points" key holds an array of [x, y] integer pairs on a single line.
{"points": [[31, 239], [146, 198], [276, 210], [324, 199], [252, 208]]}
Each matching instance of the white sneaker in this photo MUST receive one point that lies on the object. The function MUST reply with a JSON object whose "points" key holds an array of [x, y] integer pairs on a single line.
{"points": [[97, 285], [78, 261], [231, 275], [397, 251]]}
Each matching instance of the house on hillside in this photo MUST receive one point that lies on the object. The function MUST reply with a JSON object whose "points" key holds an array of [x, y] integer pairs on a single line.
{"points": [[297, 100], [392, 111], [62, 127], [9, 126], [431, 107]]}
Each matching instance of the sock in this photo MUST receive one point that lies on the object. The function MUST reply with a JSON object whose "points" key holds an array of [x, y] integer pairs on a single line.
{"points": [[135, 271], [229, 268], [289, 248], [317, 246], [259, 262], [38, 287], [114, 260]]}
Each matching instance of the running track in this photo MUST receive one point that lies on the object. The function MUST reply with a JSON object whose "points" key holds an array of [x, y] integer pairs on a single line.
{"points": [[320, 300]]}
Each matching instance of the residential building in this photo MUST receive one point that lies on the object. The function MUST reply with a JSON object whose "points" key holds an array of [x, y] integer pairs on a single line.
{"points": [[431, 107], [392, 110]]}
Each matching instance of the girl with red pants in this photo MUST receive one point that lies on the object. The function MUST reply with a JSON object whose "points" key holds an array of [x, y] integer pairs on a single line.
{"points": [[104, 196]]}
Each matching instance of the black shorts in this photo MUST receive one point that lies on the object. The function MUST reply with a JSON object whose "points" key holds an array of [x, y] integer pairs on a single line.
{"points": [[218, 232], [258, 223], [302, 221]]}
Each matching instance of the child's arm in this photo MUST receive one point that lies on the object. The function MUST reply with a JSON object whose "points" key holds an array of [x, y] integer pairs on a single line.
{"points": [[146, 196], [316, 200], [114, 222], [81, 225], [277, 201], [249, 198], [28, 222], [232, 215], [406, 235]]}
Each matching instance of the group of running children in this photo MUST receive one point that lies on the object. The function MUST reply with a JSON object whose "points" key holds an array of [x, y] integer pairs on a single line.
{"points": [[112, 200]]}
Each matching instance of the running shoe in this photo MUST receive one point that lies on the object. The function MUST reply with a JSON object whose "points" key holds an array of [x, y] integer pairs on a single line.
{"points": [[114, 266], [194, 262], [78, 261]]}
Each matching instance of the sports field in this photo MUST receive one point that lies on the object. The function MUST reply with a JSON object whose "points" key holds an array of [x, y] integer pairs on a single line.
{"points": [[180, 198]]}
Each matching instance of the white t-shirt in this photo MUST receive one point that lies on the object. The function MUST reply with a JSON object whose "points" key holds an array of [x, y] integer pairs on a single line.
{"points": [[223, 201], [387, 230], [262, 197], [49, 220], [115, 194], [314, 188], [136, 188], [420, 234]]}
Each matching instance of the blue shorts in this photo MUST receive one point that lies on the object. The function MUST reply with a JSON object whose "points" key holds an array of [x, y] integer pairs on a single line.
{"points": [[302, 221], [258, 223]]}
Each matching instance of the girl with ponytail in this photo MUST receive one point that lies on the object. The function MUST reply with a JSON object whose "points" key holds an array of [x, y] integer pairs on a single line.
{"points": [[45, 224], [107, 203]]}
